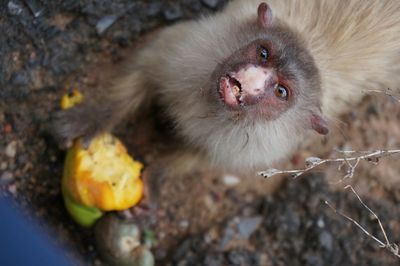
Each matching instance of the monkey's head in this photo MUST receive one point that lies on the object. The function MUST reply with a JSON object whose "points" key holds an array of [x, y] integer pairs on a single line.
{"points": [[261, 97]]}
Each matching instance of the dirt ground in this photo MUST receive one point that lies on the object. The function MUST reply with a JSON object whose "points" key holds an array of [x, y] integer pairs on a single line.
{"points": [[203, 217]]}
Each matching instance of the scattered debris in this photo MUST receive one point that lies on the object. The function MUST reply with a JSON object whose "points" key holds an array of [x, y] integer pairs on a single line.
{"points": [[11, 149], [230, 180], [211, 3], [14, 8], [173, 12], [105, 22], [35, 6], [6, 178], [247, 225]]}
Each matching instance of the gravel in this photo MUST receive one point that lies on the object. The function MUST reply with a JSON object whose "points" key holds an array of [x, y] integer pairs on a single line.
{"points": [[46, 47], [11, 149]]}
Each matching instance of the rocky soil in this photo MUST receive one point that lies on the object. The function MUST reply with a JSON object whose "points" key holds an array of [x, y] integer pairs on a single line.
{"points": [[203, 217]]}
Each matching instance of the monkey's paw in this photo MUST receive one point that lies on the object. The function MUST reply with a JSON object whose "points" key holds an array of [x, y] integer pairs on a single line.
{"points": [[72, 123]]}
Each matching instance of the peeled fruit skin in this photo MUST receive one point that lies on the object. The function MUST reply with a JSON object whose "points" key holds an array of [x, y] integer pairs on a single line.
{"points": [[103, 176], [83, 215]]}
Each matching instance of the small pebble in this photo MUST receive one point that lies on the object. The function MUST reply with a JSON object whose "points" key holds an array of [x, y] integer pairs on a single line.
{"points": [[12, 189], [11, 149], [53, 158], [35, 6], [184, 224], [6, 177], [20, 78], [248, 225], [227, 237], [3, 166], [104, 23], [14, 8], [211, 3], [321, 223], [173, 12], [230, 180], [326, 240]]}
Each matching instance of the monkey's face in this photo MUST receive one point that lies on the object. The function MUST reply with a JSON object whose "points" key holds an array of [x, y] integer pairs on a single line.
{"points": [[251, 81], [270, 75]]}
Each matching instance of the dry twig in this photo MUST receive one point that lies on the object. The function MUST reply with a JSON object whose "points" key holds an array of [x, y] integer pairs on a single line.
{"points": [[392, 247], [351, 160], [388, 92]]}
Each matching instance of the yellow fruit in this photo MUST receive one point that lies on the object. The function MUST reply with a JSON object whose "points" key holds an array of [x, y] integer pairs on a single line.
{"points": [[71, 99], [103, 175]]}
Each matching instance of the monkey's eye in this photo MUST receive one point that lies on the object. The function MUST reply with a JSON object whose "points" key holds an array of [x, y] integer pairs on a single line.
{"points": [[263, 54], [281, 92]]}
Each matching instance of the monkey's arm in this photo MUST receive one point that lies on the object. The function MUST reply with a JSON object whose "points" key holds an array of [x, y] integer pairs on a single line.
{"points": [[135, 86], [102, 111]]}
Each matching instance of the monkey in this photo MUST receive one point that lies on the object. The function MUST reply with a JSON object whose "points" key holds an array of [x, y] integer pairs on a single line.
{"points": [[246, 85]]}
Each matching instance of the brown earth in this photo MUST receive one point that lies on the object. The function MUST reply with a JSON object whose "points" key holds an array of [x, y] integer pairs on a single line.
{"points": [[202, 217]]}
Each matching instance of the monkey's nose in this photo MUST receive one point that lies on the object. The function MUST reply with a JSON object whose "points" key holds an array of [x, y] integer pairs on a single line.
{"points": [[255, 83], [255, 80]]}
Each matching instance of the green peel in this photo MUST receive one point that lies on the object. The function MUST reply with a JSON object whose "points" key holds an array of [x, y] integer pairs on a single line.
{"points": [[83, 215]]}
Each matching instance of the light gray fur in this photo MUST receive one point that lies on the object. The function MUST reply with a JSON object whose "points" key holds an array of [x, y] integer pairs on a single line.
{"points": [[355, 45]]}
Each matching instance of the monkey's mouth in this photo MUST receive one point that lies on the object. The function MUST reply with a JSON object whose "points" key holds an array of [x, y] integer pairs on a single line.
{"points": [[230, 91]]}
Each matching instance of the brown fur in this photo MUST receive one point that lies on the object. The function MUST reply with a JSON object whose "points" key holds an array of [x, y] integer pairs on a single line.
{"points": [[355, 45]]}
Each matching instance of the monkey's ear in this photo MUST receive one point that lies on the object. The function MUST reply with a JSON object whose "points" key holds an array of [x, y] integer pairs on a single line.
{"points": [[319, 124], [264, 15]]}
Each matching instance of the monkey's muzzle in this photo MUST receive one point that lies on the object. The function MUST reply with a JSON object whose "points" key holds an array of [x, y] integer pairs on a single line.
{"points": [[247, 86]]}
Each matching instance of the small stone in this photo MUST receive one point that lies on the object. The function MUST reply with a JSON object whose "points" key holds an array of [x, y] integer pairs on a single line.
{"points": [[14, 8], [326, 240], [3, 165], [184, 224], [173, 12], [6, 177], [213, 259], [320, 223], [230, 180], [11, 149], [227, 237], [248, 225], [312, 260], [20, 78], [105, 22], [211, 3], [12, 189], [35, 6]]}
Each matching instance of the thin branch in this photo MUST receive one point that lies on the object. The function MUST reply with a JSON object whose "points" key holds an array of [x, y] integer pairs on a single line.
{"points": [[392, 247], [381, 244], [354, 156], [388, 92]]}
